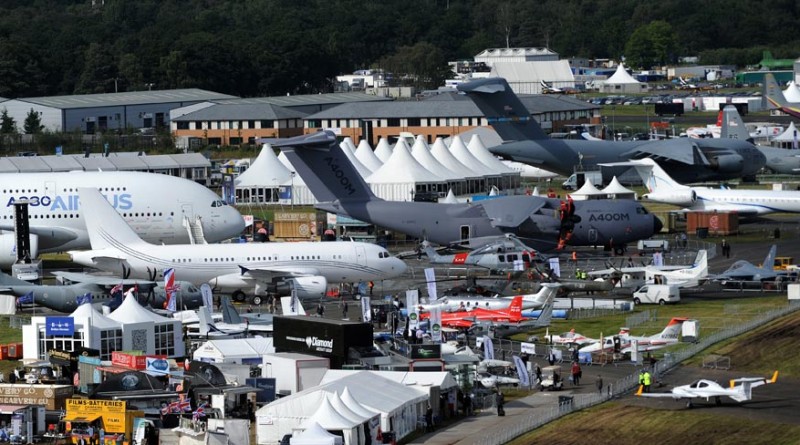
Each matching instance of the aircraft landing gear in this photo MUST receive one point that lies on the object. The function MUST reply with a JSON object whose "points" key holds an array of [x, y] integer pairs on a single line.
{"points": [[689, 404], [238, 296], [718, 400], [257, 300]]}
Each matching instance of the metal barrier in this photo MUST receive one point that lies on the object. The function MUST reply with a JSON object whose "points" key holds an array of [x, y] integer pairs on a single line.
{"points": [[643, 317]]}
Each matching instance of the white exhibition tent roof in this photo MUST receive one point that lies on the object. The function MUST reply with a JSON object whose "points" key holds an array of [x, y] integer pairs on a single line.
{"points": [[367, 157], [422, 154], [422, 379], [480, 152], [450, 198], [351, 155], [788, 135], [266, 170], [621, 77], [235, 348], [130, 311], [446, 158], [399, 175], [314, 434], [462, 153], [383, 151], [588, 191], [96, 319], [348, 142], [616, 190], [792, 92]]}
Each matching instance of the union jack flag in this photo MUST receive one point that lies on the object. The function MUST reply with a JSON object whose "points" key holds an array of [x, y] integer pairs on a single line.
{"points": [[170, 288], [116, 289], [199, 412]]}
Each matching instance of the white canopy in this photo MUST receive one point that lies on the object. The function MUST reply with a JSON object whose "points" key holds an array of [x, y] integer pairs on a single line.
{"points": [[446, 158], [788, 135], [479, 151], [462, 153], [588, 191], [383, 151], [367, 157], [621, 77], [302, 194], [130, 311], [96, 319], [400, 175], [314, 434], [450, 198], [329, 418], [792, 92], [616, 190], [422, 154], [361, 168], [234, 350], [266, 170], [348, 142]]}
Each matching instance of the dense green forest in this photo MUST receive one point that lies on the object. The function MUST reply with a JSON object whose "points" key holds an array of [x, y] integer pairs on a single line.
{"points": [[274, 47]]}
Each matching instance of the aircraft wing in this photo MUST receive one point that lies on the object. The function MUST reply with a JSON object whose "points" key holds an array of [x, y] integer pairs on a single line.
{"points": [[100, 280], [268, 274], [662, 395], [507, 214], [675, 150]]}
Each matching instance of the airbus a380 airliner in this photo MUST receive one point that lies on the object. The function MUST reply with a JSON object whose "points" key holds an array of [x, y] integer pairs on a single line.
{"points": [[158, 207], [231, 268]]}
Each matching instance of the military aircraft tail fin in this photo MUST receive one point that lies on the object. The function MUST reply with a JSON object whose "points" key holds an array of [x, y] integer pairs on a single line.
{"points": [[732, 126], [8, 280], [769, 260], [229, 313], [325, 168], [204, 314], [503, 109], [773, 93], [547, 309], [106, 228]]}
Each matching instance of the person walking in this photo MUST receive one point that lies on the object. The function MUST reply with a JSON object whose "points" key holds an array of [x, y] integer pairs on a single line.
{"points": [[344, 310], [501, 401], [599, 384], [320, 310], [576, 374], [429, 419], [371, 284], [647, 379]]}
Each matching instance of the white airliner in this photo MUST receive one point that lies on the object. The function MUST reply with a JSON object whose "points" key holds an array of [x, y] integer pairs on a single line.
{"points": [[740, 390], [236, 268], [664, 189], [159, 208]]}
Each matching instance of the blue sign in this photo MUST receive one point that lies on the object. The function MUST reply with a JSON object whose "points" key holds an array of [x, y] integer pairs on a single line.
{"points": [[266, 385], [63, 326], [153, 364]]}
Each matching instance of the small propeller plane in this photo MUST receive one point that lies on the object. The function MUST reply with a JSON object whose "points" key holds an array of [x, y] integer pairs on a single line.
{"points": [[740, 390]]}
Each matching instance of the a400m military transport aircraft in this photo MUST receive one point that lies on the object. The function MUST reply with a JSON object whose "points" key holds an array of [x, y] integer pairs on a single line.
{"points": [[685, 159], [541, 223]]}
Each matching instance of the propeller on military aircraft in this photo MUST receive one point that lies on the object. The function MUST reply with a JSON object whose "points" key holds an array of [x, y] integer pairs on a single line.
{"points": [[568, 221]]}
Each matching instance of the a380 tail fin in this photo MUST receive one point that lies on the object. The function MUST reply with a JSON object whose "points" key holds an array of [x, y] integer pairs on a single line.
{"points": [[503, 109], [325, 168]]}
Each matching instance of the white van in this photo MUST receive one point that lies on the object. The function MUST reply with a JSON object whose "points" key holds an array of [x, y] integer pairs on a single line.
{"points": [[595, 177], [657, 294]]}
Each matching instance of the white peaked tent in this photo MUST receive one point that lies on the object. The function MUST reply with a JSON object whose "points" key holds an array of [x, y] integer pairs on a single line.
{"points": [[383, 151], [449, 199], [787, 138], [510, 178], [261, 181], [338, 404], [373, 422], [130, 311], [588, 191], [367, 157], [462, 153], [330, 419], [96, 319], [143, 329], [348, 142], [476, 183], [315, 435], [360, 168], [792, 92], [422, 153], [622, 82], [302, 194], [401, 176], [615, 190]]}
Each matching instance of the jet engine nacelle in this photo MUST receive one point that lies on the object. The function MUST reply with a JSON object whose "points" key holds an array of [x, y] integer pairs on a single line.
{"points": [[727, 163], [8, 249], [676, 197], [307, 287]]}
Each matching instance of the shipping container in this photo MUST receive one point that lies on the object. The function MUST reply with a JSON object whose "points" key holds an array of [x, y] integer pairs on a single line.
{"points": [[716, 223]]}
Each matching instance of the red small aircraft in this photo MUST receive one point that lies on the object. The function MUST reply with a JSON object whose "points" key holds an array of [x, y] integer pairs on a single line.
{"points": [[465, 319]]}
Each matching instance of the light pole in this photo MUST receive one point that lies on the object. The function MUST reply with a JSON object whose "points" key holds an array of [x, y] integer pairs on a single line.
{"points": [[291, 191]]}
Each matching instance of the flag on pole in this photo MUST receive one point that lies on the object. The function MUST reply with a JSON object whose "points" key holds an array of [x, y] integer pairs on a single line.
{"points": [[26, 299], [488, 348], [430, 278], [85, 298], [199, 412], [366, 310], [522, 371], [116, 289], [170, 288]]}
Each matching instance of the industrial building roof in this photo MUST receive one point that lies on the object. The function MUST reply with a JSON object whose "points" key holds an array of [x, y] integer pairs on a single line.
{"points": [[240, 112], [128, 98], [308, 99]]}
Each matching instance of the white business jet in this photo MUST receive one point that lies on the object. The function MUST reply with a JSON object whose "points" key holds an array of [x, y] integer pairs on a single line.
{"points": [[740, 390], [663, 188], [160, 208], [253, 268]]}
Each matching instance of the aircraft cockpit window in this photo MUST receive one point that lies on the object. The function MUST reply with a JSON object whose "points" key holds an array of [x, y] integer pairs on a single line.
{"points": [[694, 385], [641, 210]]}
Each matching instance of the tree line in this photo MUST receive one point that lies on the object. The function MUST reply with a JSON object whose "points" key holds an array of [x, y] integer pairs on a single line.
{"points": [[275, 47]]}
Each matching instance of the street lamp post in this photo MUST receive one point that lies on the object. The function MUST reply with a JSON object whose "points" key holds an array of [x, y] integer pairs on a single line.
{"points": [[291, 191]]}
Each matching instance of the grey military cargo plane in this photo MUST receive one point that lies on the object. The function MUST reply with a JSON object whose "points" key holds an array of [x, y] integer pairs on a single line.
{"points": [[541, 223], [686, 160]]}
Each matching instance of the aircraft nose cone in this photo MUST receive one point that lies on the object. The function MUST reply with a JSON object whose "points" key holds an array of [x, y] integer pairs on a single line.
{"points": [[657, 224], [400, 267]]}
